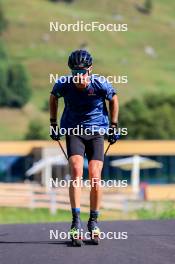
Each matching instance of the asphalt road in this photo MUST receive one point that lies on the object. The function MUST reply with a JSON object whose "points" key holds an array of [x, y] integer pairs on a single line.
{"points": [[148, 242]]}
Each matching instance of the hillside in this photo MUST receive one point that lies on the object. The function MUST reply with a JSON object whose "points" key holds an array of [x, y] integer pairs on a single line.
{"points": [[29, 41]]}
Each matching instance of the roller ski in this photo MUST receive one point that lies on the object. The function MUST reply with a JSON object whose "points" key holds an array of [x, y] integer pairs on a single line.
{"points": [[94, 231], [76, 232]]}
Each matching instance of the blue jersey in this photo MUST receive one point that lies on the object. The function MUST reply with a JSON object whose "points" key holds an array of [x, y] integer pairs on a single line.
{"points": [[86, 107]]}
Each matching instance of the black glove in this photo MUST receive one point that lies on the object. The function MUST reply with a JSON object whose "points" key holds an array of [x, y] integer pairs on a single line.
{"points": [[54, 131], [113, 133]]}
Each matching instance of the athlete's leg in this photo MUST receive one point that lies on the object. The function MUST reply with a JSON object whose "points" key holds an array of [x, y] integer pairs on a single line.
{"points": [[76, 169], [95, 154], [95, 169], [75, 151]]}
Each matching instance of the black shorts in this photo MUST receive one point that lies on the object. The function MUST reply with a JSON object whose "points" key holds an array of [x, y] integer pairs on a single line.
{"points": [[90, 145]]}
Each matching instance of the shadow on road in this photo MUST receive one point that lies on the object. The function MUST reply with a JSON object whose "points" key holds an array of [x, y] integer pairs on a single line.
{"points": [[36, 242], [67, 243]]}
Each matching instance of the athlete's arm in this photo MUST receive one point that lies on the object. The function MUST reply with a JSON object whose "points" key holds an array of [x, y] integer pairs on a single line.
{"points": [[114, 109], [58, 91], [53, 107], [54, 131]]}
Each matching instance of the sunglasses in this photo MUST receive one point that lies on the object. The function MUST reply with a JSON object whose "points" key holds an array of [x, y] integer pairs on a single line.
{"points": [[79, 72]]}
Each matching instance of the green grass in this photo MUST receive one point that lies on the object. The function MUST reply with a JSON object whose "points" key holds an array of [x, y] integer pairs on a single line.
{"points": [[159, 210], [10, 215], [164, 210], [41, 215], [29, 21], [38, 215]]}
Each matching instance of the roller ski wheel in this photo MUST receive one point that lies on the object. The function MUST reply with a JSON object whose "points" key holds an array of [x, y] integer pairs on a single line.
{"points": [[94, 232], [76, 232], [76, 242], [75, 235]]}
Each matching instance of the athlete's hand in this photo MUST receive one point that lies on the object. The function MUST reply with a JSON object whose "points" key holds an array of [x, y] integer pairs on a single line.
{"points": [[113, 134], [54, 131]]}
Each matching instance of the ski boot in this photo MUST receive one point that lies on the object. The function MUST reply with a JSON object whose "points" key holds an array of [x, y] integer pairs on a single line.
{"points": [[94, 230], [75, 232]]}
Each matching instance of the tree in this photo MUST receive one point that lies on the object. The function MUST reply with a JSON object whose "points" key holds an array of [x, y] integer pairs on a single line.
{"points": [[36, 131], [146, 8], [14, 80], [136, 117], [3, 83], [149, 118], [163, 124], [14, 85], [18, 83], [3, 53]]}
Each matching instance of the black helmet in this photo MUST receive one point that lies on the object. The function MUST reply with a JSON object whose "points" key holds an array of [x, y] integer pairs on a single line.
{"points": [[79, 59]]}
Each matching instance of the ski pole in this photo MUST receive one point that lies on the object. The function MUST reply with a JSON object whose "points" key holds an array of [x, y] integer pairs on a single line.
{"points": [[62, 149], [117, 137], [107, 149]]}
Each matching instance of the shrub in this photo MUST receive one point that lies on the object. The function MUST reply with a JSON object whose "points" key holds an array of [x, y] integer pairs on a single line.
{"points": [[4, 92], [36, 130], [148, 6], [3, 53], [149, 118], [14, 86], [18, 84]]}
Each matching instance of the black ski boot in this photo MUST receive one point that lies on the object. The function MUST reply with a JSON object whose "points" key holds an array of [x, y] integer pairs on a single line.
{"points": [[94, 230], [75, 232]]}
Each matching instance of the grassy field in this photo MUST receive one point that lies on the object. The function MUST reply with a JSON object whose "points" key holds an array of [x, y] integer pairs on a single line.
{"points": [[20, 215], [163, 210], [29, 41], [23, 215]]}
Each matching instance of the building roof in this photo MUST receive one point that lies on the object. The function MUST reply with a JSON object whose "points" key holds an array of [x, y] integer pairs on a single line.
{"points": [[22, 147], [143, 147], [127, 147]]}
